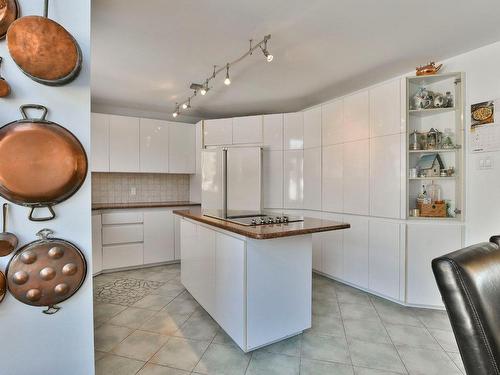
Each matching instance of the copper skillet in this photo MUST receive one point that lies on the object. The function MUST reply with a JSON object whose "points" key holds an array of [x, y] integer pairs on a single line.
{"points": [[9, 11], [42, 163], [8, 241]]}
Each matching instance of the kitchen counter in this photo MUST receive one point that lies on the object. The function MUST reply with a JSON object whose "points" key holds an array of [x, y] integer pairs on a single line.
{"points": [[264, 232], [109, 206]]}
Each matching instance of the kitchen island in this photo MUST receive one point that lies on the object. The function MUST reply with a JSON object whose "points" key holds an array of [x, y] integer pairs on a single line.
{"points": [[254, 280]]}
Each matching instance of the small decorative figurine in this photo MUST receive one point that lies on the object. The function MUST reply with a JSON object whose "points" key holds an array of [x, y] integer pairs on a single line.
{"points": [[428, 69]]}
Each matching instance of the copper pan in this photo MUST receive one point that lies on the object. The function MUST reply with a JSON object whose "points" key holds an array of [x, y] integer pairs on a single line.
{"points": [[4, 86], [8, 241], [9, 11], [42, 163], [44, 50], [3, 286]]}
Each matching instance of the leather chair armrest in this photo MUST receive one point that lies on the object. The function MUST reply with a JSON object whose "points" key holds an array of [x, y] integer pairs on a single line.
{"points": [[495, 239]]}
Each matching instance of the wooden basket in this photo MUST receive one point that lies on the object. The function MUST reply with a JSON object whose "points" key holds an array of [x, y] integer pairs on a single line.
{"points": [[432, 209]]}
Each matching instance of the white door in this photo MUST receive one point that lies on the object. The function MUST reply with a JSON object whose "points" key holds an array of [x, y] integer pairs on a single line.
{"points": [[332, 178], [244, 178], [333, 249], [154, 146], [333, 122], [211, 179], [356, 251], [356, 177], [272, 162], [312, 179], [182, 148], [190, 266], [247, 130], [158, 236], [177, 237], [124, 134], [293, 131], [218, 132], [99, 132], [312, 128], [205, 265], [385, 109], [356, 117], [293, 174], [273, 131], [96, 244]]}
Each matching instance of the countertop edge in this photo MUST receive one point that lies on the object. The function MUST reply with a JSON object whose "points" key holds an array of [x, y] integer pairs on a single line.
{"points": [[123, 206]]}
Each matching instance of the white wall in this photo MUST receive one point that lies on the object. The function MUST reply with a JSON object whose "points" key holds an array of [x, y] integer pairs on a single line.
{"points": [[35, 343]]}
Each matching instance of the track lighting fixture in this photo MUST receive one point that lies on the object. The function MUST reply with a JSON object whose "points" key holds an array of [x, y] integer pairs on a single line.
{"points": [[176, 112], [187, 105], [227, 81], [266, 53]]}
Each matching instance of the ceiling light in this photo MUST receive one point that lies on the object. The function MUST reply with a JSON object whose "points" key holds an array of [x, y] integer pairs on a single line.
{"points": [[176, 112], [227, 81], [204, 89], [266, 53], [184, 106]]}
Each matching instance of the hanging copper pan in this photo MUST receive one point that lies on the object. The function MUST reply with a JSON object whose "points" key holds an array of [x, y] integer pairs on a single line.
{"points": [[3, 286], [46, 272], [9, 11], [4, 85], [42, 163], [44, 50]]}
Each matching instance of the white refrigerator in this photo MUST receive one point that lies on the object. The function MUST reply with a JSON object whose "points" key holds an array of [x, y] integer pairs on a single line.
{"points": [[231, 176]]}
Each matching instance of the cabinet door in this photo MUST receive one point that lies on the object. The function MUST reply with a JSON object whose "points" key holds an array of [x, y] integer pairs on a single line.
{"points": [[96, 244], [247, 130], [356, 117], [312, 128], [273, 131], [230, 292], [293, 131], [332, 122], [385, 109], [218, 132], [317, 256], [312, 179], [356, 176], [99, 131], [189, 264], [124, 144], [332, 178], [154, 146], [177, 237], [205, 259], [273, 179], [182, 148], [123, 255], [384, 257], [333, 249], [158, 236], [356, 251], [385, 176], [293, 178], [424, 243]]}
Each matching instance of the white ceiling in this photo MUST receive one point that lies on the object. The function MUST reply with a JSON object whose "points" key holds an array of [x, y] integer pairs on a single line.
{"points": [[146, 53]]}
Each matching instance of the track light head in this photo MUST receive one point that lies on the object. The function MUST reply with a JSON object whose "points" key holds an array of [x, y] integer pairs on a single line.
{"points": [[266, 53], [184, 106], [176, 112], [227, 81], [205, 88]]}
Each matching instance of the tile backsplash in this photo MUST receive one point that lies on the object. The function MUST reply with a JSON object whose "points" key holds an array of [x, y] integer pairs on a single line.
{"points": [[148, 187]]}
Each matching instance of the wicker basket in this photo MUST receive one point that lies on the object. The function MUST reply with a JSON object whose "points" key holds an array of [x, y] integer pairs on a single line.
{"points": [[432, 209]]}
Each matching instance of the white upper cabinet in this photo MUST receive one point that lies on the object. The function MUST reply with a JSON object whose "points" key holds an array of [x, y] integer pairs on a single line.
{"points": [[332, 178], [154, 146], [293, 174], [99, 132], [273, 178], [273, 131], [124, 149], [385, 176], [333, 122], [294, 131], [312, 128], [312, 179], [356, 177], [385, 109], [356, 116], [247, 130], [218, 132], [182, 148], [356, 251]]}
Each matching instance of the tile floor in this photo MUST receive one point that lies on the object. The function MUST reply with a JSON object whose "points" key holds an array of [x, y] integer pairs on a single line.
{"points": [[146, 323]]}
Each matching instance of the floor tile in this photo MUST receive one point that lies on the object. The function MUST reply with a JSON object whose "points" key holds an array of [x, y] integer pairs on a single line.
{"points": [[182, 305], [153, 369], [361, 312], [222, 338], [446, 339], [223, 360], [105, 311], [398, 315], [457, 359], [164, 322], [325, 307], [180, 353], [98, 355], [375, 355], [263, 363], [427, 362], [310, 367], [325, 348], [198, 327], [125, 291], [350, 295], [366, 330], [290, 346], [140, 345], [170, 288], [411, 336], [114, 365], [370, 371], [154, 302], [437, 319], [326, 325], [108, 336], [324, 293], [132, 317]]}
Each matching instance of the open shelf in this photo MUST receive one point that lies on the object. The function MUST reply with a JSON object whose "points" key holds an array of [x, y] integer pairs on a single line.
{"points": [[432, 79], [433, 151], [430, 111], [432, 178]]}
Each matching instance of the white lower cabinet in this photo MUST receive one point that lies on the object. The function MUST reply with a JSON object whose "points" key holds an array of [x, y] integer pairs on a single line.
{"points": [[317, 256], [204, 263], [96, 244], [177, 237], [158, 236], [333, 249], [384, 257], [356, 251], [123, 255], [424, 243]]}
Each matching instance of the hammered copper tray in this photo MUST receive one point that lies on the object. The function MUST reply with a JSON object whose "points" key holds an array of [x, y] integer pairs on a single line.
{"points": [[46, 272]]}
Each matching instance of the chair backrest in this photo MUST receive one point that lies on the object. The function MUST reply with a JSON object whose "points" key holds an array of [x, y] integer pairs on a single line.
{"points": [[469, 282]]}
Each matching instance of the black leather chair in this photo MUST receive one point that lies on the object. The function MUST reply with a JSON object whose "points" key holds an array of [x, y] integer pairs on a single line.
{"points": [[469, 282]]}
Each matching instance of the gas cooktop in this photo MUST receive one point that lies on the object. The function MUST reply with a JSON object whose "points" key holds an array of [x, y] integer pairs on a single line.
{"points": [[254, 219]]}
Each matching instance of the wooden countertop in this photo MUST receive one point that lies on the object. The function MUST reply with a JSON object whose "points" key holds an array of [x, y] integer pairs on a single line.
{"points": [[109, 206], [264, 232]]}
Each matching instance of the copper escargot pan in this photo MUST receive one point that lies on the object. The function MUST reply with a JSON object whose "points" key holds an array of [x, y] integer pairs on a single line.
{"points": [[46, 272], [42, 163], [9, 11], [44, 50]]}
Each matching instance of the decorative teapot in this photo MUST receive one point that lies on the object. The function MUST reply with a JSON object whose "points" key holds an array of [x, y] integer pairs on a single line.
{"points": [[428, 69]]}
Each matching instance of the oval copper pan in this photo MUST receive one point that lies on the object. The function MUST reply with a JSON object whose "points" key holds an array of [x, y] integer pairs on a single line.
{"points": [[9, 11], [44, 50], [3, 286]]}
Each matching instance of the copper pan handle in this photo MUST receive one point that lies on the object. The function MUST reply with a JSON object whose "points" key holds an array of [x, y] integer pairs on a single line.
{"points": [[24, 107], [46, 218], [46, 8], [51, 310]]}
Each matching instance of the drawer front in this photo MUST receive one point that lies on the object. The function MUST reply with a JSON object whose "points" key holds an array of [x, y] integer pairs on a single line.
{"points": [[122, 217], [117, 256], [117, 234]]}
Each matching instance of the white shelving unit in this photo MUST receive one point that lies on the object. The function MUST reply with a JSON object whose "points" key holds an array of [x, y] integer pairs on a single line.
{"points": [[422, 120]]}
